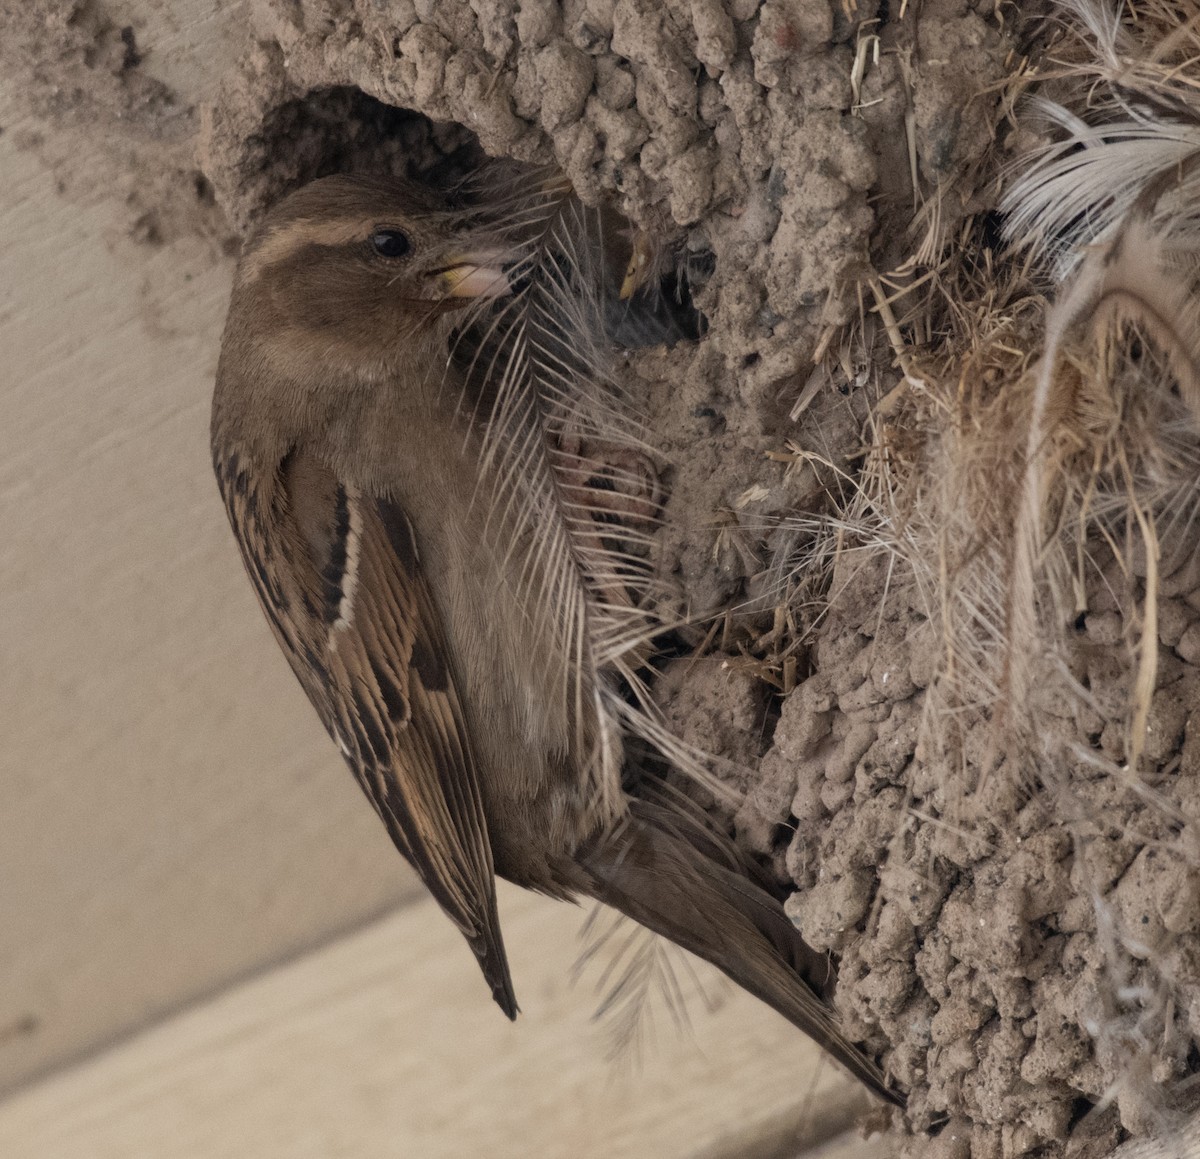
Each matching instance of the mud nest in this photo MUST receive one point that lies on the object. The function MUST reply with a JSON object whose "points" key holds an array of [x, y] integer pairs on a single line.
{"points": [[932, 485]]}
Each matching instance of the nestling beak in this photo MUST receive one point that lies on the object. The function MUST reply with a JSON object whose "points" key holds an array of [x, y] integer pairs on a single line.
{"points": [[638, 270], [476, 274]]}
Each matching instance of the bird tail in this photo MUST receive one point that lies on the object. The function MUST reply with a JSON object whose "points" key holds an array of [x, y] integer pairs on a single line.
{"points": [[688, 886]]}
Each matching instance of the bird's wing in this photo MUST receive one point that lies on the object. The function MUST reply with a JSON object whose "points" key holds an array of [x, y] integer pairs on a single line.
{"points": [[339, 576]]}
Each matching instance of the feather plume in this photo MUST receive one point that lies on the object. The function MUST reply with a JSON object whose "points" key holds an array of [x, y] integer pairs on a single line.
{"points": [[566, 457]]}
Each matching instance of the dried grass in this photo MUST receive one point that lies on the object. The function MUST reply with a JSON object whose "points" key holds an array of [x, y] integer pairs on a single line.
{"points": [[1045, 432]]}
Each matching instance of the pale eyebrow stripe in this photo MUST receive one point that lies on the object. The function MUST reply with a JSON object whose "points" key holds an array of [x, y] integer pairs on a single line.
{"points": [[281, 242]]}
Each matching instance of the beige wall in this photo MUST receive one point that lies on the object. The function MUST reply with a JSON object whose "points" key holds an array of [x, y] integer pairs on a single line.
{"points": [[172, 813]]}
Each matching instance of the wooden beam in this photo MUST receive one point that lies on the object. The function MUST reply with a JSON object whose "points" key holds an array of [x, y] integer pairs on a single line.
{"points": [[386, 1044]]}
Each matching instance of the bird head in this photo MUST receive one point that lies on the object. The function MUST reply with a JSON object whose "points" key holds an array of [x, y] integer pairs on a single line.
{"points": [[364, 267], [344, 301]]}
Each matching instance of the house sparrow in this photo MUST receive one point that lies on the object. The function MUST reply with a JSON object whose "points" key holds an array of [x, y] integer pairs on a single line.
{"points": [[429, 554]]}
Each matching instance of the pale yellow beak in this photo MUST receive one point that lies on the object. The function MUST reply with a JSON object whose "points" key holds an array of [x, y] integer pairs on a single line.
{"points": [[474, 275], [641, 260]]}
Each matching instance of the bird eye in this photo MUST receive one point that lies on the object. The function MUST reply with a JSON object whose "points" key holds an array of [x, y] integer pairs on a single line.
{"points": [[390, 243]]}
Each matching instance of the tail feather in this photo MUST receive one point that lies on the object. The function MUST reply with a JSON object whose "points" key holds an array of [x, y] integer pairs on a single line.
{"points": [[654, 875]]}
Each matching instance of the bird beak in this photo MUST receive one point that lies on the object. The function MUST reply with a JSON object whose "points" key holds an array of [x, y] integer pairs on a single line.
{"points": [[477, 274], [638, 270]]}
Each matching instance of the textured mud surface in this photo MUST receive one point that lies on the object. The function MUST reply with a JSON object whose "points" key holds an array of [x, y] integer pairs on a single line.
{"points": [[961, 901], [777, 144]]}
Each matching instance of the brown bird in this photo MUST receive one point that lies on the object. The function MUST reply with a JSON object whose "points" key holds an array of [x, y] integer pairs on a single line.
{"points": [[432, 540]]}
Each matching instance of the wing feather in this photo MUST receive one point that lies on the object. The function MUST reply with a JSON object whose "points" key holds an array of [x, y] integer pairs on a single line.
{"points": [[338, 574]]}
